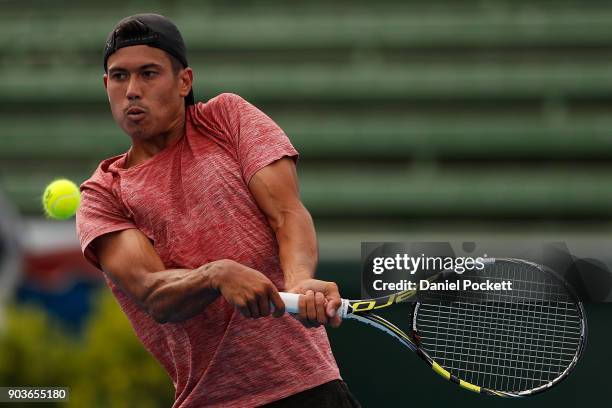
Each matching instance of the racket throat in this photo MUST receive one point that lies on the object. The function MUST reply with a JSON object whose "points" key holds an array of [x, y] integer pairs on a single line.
{"points": [[385, 326], [344, 309]]}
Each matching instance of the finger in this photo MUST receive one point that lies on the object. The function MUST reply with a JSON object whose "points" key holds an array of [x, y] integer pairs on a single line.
{"points": [[253, 308], [332, 306], [320, 308], [309, 324], [264, 306], [311, 310], [277, 302], [244, 311], [335, 321]]}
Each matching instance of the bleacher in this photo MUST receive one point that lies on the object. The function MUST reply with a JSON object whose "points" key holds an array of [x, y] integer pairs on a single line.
{"points": [[416, 120], [438, 111]]}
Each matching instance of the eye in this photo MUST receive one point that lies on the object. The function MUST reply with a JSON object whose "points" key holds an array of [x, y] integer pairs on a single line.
{"points": [[117, 76], [149, 74]]}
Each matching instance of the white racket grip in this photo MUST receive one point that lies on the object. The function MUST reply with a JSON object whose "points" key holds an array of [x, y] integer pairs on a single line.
{"points": [[291, 303]]}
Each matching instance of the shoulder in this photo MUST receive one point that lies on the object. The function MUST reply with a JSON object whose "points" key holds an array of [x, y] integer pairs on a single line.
{"points": [[218, 115], [222, 103], [227, 99], [100, 199], [103, 176]]}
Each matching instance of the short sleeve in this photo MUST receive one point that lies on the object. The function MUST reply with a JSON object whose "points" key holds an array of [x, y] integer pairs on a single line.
{"points": [[99, 213], [258, 140]]}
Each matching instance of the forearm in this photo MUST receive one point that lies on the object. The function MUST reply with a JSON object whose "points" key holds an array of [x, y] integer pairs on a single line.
{"points": [[298, 249], [176, 295]]}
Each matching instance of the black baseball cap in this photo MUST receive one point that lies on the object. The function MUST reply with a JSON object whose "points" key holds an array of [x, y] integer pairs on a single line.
{"points": [[153, 30]]}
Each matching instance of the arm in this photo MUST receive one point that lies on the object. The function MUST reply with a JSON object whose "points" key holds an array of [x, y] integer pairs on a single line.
{"points": [[275, 188], [173, 295]]}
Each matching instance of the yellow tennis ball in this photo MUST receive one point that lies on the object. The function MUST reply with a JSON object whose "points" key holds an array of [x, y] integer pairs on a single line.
{"points": [[61, 199]]}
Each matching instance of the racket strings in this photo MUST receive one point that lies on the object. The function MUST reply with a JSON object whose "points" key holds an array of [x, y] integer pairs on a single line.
{"points": [[508, 341]]}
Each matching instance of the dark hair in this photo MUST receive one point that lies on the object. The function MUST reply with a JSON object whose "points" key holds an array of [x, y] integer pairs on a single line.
{"points": [[176, 64], [135, 31]]}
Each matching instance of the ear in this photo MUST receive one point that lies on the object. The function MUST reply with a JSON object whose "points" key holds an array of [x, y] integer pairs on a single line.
{"points": [[186, 81], [105, 79]]}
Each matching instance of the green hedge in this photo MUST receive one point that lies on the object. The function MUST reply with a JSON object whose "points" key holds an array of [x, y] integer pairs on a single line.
{"points": [[104, 366]]}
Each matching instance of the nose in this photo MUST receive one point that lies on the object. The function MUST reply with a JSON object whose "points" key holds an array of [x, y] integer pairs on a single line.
{"points": [[134, 90]]}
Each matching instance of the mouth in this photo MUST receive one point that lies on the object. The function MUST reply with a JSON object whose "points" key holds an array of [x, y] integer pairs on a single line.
{"points": [[135, 113]]}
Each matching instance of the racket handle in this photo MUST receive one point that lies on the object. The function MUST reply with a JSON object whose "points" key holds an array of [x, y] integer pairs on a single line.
{"points": [[291, 301], [291, 304]]}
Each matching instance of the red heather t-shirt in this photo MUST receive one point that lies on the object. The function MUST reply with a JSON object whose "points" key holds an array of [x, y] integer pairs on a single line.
{"points": [[192, 200]]}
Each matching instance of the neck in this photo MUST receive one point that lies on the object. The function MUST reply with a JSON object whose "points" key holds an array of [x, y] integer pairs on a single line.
{"points": [[145, 148]]}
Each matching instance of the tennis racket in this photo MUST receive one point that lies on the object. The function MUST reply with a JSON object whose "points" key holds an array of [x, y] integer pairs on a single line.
{"points": [[504, 343]]}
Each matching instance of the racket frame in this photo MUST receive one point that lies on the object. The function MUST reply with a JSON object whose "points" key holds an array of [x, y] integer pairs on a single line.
{"points": [[361, 310]]}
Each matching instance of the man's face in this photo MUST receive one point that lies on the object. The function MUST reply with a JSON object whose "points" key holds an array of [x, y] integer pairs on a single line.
{"points": [[145, 95]]}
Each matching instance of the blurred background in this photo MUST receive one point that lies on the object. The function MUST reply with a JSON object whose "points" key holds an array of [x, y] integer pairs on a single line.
{"points": [[416, 121]]}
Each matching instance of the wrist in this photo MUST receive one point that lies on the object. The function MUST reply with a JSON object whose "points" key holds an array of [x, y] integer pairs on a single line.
{"points": [[294, 282], [216, 272]]}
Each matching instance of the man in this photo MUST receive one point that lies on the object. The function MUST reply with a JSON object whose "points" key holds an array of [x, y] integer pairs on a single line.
{"points": [[198, 226]]}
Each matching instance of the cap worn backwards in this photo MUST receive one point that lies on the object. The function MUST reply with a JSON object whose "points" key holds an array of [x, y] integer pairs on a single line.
{"points": [[153, 30]]}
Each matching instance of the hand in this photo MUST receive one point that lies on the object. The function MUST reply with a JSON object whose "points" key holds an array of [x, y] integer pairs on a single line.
{"points": [[319, 303], [250, 291]]}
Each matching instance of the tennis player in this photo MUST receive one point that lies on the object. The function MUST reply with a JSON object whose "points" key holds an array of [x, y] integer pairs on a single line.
{"points": [[196, 228]]}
